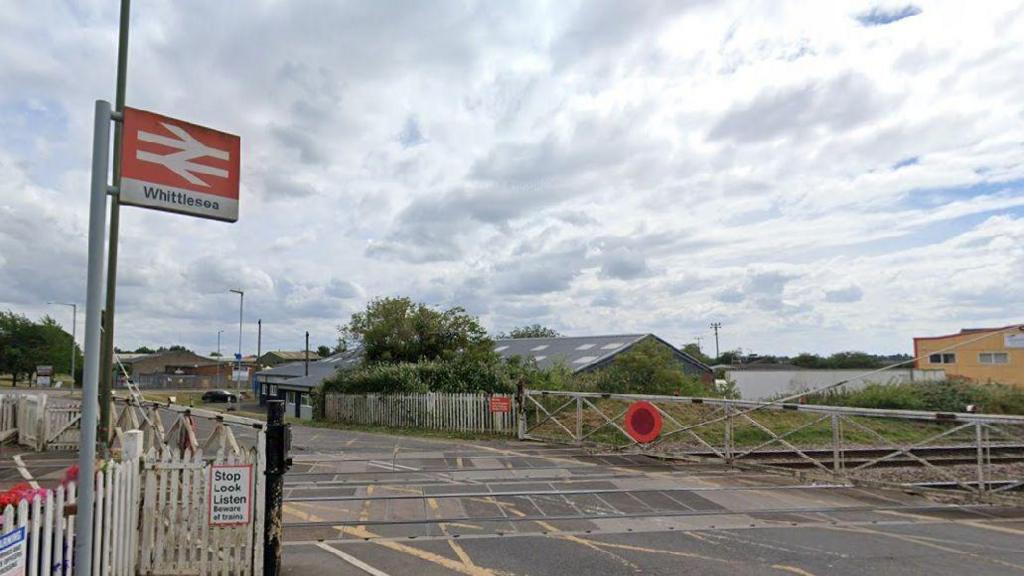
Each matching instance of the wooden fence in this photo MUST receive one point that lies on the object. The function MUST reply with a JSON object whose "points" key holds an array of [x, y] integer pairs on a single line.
{"points": [[43, 423], [49, 535], [152, 506], [435, 411], [176, 537]]}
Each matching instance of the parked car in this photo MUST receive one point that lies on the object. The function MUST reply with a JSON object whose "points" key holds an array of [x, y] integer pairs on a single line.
{"points": [[220, 396]]}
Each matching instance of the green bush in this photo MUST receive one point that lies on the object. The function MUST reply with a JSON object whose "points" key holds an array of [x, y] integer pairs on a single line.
{"points": [[943, 396]]}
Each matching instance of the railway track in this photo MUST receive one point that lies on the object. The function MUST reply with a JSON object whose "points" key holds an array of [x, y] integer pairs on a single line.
{"points": [[851, 457]]}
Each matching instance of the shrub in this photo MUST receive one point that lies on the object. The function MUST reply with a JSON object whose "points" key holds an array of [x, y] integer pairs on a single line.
{"points": [[943, 396]]}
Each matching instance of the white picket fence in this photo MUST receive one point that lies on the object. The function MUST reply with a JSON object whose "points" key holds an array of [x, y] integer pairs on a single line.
{"points": [[152, 507], [44, 424], [176, 536], [50, 535], [8, 416], [435, 411]]}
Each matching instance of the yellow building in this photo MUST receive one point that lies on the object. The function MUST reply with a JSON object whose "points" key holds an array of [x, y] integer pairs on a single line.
{"points": [[978, 354]]}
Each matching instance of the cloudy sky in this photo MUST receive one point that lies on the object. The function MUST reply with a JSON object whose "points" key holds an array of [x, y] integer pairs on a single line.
{"points": [[816, 176]]}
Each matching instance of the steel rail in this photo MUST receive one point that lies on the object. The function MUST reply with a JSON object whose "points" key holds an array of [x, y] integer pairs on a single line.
{"points": [[581, 492], [652, 514]]}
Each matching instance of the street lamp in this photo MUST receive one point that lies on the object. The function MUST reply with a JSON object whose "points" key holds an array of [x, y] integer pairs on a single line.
{"points": [[74, 330], [219, 383], [241, 303]]}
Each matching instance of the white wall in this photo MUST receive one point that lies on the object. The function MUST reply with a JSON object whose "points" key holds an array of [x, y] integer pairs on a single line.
{"points": [[764, 384]]}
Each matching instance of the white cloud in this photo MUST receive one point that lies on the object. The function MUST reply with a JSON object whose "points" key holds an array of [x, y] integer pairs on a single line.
{"points": [[816, 176]]}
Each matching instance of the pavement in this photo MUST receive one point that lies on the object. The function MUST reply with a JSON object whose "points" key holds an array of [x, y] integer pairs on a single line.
{"points": [[363, 503]]}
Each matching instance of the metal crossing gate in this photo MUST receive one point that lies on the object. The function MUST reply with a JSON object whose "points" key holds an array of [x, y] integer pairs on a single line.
{"points": [[978, 453]]}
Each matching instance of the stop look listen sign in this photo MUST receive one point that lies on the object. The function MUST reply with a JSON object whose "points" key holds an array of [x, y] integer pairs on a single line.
{"points": [[173, 165]]}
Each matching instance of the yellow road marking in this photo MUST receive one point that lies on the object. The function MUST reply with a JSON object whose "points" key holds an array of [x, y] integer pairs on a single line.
{"points": [[468, 569], [972, 523], [919, 541], [459, 551], [792, 569]]}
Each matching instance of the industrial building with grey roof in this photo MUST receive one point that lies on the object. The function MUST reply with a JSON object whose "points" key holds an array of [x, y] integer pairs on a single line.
{"points": [[586, 353]]}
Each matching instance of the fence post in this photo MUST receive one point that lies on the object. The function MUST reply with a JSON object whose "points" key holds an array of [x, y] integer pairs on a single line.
{"points": [[837, 465], [579, 420], [278, 439], [981, 456], [728, 433], [521, 410]]}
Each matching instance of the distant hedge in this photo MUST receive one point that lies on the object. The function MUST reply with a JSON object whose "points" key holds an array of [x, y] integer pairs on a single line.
{"points": [[943, 396]]}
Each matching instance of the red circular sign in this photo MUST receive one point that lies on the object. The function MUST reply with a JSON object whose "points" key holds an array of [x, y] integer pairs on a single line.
{"points": [[643, 421]]}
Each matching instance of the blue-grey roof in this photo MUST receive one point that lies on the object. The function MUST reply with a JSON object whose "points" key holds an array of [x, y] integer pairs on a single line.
{"points": [[294, 373], [582, 353]]}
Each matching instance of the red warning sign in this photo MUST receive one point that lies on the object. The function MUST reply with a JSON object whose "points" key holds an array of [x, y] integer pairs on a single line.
{"points": [[643, 422], [501, 404]]}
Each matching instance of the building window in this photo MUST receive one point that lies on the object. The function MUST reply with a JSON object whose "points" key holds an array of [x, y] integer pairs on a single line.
{"points": [[307, 400], [994, 358], [947, 358]]}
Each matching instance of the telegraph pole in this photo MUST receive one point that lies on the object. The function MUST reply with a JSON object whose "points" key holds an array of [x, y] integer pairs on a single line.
{"points": [[107, 348], [715, 326], [699, 339]]}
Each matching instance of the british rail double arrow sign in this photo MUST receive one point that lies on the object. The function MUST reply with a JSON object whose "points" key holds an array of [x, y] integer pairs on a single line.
{"points": [[173, 165]]}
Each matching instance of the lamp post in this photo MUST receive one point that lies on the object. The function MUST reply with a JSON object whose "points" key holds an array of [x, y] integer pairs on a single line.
{"points": [[241, 303], [219, 383], [74, 330]]}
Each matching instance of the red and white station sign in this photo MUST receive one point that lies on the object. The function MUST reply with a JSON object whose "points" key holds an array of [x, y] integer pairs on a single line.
{"points": [[177, 166]]}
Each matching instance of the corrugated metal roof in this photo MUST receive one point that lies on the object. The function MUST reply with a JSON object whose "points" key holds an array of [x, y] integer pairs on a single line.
{"points": [[582, 353], [318, 371], [578, 353]]}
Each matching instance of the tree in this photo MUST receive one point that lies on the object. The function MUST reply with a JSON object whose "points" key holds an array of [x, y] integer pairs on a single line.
{"points": [[18, 345], [808, 360], [173, 348], [649, 367], [393, 330], [531, 331], [215, 355], [693, 350], [144, 350], [729, 357], [323, 351], [852, 360], [25, 344]]}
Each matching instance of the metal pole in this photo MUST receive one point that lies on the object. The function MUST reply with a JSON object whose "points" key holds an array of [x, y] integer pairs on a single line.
{"points": [[241, 304], [259, 349], [74, 343], [716, 326], [107, 365], [93, 303], [278, 438], [220, 383], [307, 353]]}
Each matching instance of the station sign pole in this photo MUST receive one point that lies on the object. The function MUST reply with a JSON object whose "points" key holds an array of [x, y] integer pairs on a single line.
{"points": [[94, 304]]}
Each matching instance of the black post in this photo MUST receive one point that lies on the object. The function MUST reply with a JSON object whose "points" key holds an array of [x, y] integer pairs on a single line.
{"points": [[278, 462], [307, 353], [259, 340]]}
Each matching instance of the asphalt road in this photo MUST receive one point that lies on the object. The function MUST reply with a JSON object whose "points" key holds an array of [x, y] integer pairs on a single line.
{"points": [[359, 503]]}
